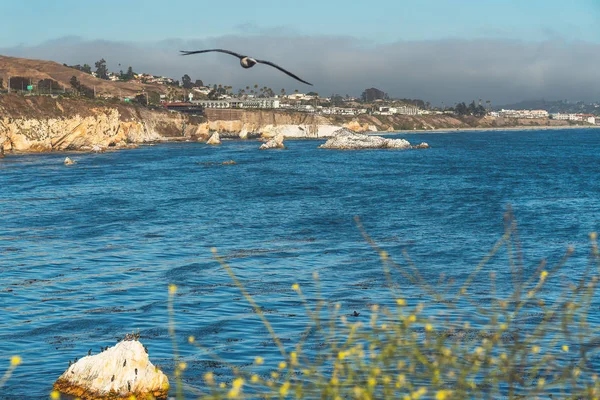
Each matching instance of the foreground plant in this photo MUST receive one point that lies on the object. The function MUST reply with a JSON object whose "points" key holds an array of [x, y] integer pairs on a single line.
{"points": [[531, 343]]}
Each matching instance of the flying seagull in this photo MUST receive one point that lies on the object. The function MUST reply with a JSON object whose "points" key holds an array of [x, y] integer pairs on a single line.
{"points": [[245, 61]]}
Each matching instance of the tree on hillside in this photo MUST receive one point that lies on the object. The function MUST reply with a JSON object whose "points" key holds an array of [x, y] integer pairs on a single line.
{"points": [[373, 94], [129, 75], [48, 85], [186, 81], [461, 109], [87, 69], [75, 82], [212, 95], [472, 108], [141, 99], [101, 70], [81, 89], [154, 97], [198, 83], [480, 111], [19, 82]]}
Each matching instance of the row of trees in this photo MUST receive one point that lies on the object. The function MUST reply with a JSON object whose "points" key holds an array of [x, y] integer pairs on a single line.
{"points": [[102, 70], [81, 88], [23, 82], [187, 83], [472, 109]]}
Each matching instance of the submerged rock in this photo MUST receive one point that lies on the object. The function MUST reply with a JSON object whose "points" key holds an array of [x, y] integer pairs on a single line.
{"points": [[275, 143], [345, 139], [421, 145], [118, 372], [230, 162], [214, 139], [68, 161]]}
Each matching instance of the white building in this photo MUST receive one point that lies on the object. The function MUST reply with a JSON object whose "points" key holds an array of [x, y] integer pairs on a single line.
{"points": [[528, 114], [403, 110], [202, 89], [589, 118], [268, 103], [339, 111]]}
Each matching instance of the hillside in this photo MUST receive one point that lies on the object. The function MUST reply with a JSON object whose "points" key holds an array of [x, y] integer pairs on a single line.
{"points": [[37, 70]]}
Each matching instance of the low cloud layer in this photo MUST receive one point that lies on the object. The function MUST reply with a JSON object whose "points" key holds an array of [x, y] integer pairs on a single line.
{"points": [[437, 71]]}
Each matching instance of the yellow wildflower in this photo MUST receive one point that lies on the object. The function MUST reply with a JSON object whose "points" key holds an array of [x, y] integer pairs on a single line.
{"points": [[283, 390]]}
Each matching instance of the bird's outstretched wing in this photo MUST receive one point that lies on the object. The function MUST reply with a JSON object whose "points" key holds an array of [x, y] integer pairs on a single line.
{"points": [[283, 70], [187, 53]]}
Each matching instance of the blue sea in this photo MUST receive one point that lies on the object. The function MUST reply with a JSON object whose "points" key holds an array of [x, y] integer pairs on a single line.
{"points": [[87, 251]]}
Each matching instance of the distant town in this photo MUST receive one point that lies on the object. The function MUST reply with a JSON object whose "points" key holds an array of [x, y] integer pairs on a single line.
{"points": [[193, 97]]}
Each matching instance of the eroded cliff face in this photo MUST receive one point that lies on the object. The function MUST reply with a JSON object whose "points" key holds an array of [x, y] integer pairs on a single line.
{"points": [[38, 124], [268, 124], [35, 124]]}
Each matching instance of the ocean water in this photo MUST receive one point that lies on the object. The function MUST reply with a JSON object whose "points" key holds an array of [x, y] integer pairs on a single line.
{"points": [[87, 251]]}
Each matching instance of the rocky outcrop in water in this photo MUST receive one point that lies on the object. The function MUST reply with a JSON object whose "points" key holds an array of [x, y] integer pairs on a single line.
{"points": [[421, 145], [119, 372], [68, 161], [275, 143], [345, 139], [214, 139]]}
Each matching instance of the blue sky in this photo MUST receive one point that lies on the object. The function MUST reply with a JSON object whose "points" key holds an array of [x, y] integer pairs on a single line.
{"points": [[436, 50], [36, 21]]}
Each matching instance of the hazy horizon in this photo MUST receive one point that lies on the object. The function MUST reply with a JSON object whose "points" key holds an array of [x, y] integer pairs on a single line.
{"points": [[432, 51]]}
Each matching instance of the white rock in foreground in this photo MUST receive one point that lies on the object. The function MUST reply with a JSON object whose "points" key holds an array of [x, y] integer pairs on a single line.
{"points": [[68, 161], [117, 373], [275, 143], [345, 139], [214, 139]]}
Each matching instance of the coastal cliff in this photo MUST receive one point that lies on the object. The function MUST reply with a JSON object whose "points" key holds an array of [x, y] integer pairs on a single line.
{"points": [[269, 123], [40, 124]]}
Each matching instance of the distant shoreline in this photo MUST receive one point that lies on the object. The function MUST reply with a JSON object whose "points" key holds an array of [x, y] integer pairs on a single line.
{"points": [[490, 129]]}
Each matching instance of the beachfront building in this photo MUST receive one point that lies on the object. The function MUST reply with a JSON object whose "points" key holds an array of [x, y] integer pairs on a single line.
{"points": [[340, 111], [527, 114], [402, 110], [269, 103], [589, 118], [300, 97]]}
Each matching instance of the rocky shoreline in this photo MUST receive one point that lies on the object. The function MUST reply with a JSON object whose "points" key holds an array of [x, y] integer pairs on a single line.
{"points": [[44, 124]]}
